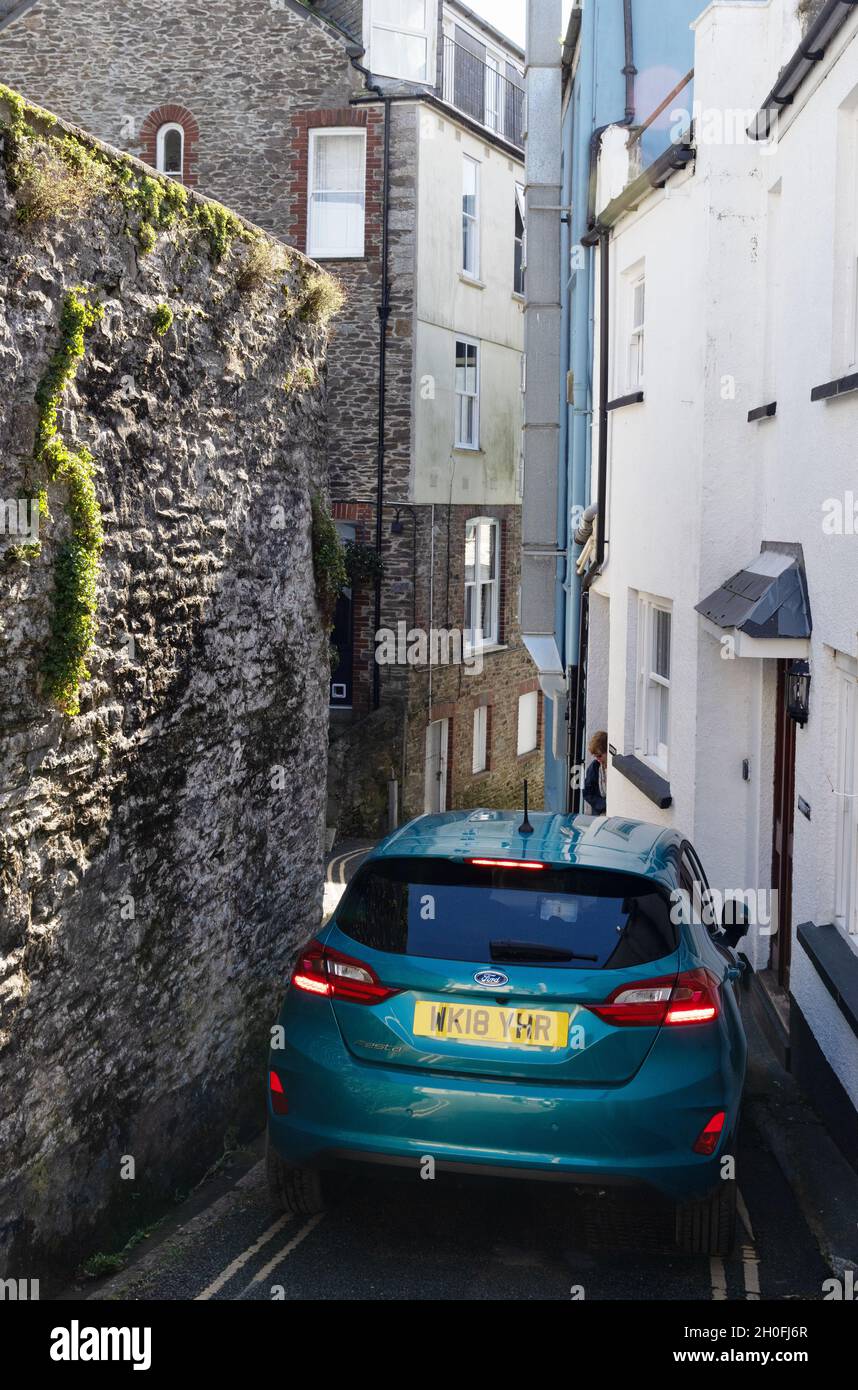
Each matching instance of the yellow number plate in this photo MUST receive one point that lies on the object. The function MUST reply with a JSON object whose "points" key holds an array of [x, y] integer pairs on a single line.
{"points": [[479, 1023]]}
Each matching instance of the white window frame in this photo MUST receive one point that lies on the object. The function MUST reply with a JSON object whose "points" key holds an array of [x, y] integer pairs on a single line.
{"points": [[520, 208], [846, 787], [852, 326], [472, 272], [495, 70], [429, 34], [358, 250], [636, 344], [648, 679], [459, 441], [523, 744], [474, 638], [480, 759], [160, 142]]}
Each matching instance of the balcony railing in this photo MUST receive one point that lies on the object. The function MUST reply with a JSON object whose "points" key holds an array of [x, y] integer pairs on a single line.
{"points": [[480, 89]]}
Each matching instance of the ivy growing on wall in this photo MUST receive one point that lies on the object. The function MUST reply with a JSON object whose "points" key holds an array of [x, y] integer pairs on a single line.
{"points": [[364, 565], [329, 564], [73, 625]]}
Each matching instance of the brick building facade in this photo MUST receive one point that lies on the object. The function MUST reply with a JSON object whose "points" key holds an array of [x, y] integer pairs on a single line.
{"points": [[248, 91]]}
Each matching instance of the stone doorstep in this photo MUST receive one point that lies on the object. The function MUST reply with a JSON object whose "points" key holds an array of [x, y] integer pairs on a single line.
{"points": [[823, 1182], [771, 1010]]}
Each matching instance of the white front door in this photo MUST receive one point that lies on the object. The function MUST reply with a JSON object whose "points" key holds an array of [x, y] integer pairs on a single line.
{"points": [[437, 737]]}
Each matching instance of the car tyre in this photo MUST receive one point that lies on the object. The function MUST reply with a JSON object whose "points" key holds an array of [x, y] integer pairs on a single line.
{"points": [[297, 1191], [708, 1226]]}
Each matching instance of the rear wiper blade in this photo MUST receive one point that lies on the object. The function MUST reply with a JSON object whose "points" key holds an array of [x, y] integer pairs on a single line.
{"points": [[529, 950]]}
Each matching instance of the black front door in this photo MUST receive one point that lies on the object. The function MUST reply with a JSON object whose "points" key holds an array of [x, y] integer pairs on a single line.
{"points": [[783, 828], [343, 639]]}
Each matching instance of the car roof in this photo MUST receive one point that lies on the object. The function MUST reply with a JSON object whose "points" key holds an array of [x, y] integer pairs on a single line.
{"points": [[593, 842]]}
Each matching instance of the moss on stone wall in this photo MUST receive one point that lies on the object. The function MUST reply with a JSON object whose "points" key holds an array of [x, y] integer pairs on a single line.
{"points": [[74, 620]]}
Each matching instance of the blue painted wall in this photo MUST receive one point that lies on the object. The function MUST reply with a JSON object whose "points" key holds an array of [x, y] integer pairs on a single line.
{"points": [[663, 54]]}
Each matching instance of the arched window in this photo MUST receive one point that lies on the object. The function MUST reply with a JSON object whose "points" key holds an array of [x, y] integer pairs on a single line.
{"points": [[171, 151]]}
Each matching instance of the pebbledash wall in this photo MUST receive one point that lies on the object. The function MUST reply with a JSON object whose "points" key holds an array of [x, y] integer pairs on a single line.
{"points": [[161, 851]]}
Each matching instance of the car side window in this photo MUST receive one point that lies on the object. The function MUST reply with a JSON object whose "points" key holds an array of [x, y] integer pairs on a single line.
{"points": [[694, 882]]}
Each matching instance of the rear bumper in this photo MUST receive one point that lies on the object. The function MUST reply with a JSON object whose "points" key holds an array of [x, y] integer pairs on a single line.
{"points": [[342, 1110]]}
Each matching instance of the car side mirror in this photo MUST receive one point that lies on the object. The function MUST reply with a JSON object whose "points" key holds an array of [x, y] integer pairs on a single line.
{"points": [[734, 921]]}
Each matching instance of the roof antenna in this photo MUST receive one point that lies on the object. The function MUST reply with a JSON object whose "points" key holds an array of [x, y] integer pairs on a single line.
{"points": [[525, 828]]}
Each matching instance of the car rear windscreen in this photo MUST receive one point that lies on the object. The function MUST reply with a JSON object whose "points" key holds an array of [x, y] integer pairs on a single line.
{"points": [[562, 918]]}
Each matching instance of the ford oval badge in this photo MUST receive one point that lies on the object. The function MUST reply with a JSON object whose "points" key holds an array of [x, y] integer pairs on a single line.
{"points": [[491, 978]]}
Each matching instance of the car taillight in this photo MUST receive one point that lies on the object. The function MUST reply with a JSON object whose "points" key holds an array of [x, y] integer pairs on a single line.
{"points": [[672, 1000], [322, 970], [279, 1103], [695, 999], [707, 1140]]}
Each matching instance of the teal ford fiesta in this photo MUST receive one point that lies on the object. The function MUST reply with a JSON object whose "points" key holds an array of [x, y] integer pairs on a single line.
{"points": [[546, 1004]]}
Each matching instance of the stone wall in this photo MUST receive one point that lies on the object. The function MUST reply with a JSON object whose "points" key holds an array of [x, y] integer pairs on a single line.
{"points": [[160, 852]]}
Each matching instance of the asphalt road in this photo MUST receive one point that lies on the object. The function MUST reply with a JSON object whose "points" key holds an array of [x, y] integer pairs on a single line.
{"points": [[467, 1240], [414, 1239]]}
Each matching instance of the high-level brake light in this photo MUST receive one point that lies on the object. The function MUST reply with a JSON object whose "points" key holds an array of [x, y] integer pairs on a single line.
{"points": [[505, 864]]}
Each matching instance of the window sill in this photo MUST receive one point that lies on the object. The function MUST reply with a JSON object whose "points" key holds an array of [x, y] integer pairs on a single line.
{"points": [[836, 964], [523, 757], [471, 280], [831, 389], [481, 776], [467, 449], [489, 649], [519, 298], [655, 787], [763, 412], [633, 398]]}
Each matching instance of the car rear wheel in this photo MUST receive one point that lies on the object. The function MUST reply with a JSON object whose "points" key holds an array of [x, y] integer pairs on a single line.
{"points": [[294, 1190], [708, 1226]]}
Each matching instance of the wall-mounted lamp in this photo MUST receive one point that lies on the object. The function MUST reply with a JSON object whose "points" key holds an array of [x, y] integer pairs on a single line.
{"points": [[798, 692]]}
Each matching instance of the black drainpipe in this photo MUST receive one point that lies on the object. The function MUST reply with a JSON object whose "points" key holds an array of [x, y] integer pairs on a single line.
{"points": [[630, 72], [604, 243], [383, 319]]}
